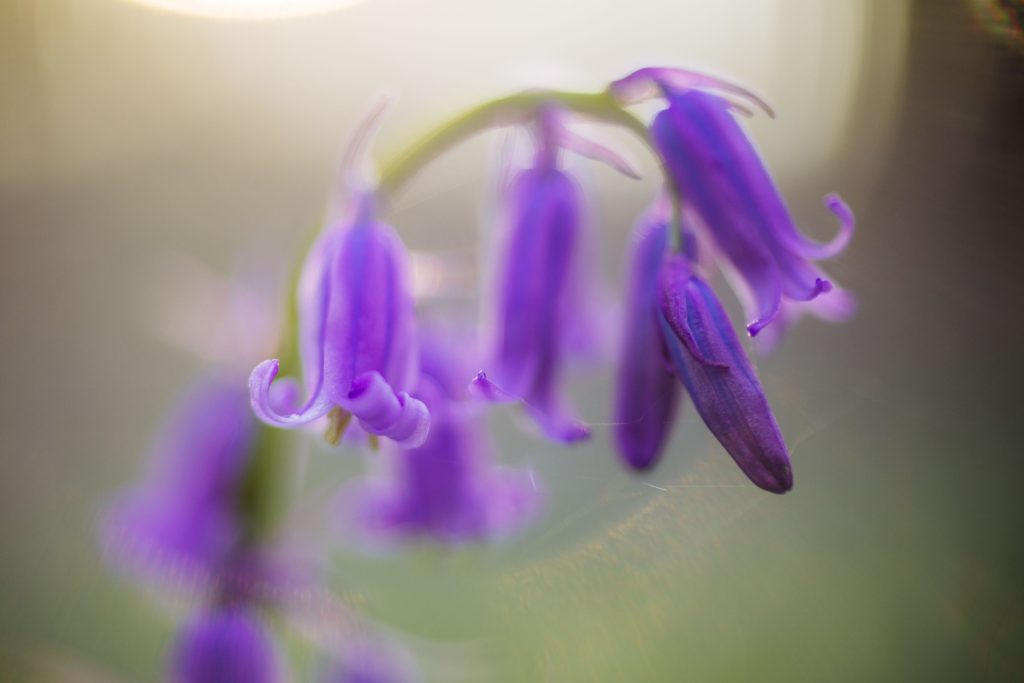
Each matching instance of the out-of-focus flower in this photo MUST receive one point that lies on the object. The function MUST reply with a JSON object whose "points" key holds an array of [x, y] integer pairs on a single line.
{"points": [[709, 360], [716, 170], [183, 518], [224, 645], [542, 288], [448, 489], [646, 390]]}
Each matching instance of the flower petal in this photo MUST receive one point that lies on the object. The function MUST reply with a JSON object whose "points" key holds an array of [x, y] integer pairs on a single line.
{"points": [[648, 82], [263, 406], [381, 411]]}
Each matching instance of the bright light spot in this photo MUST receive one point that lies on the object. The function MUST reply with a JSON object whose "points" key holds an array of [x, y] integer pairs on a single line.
{"points": [[248, 9]]}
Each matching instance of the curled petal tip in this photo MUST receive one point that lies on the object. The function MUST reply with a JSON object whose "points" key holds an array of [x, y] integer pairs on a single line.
{"points": [[382, 412]]}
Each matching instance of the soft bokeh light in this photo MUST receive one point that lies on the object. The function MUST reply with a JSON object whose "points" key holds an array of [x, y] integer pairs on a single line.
{"points": [[247, 9]]}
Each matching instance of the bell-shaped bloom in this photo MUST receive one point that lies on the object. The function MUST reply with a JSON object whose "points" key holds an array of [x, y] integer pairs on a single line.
{"points": [[543, 310], [226, 645], [182, 520], [357, 334], [448, 489], [708, 358], [543, 224], [717, 171], [647, 392]]}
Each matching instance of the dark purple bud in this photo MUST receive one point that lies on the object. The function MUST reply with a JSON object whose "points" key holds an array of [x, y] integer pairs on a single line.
{"points": [[646, 390], [708, 358]]}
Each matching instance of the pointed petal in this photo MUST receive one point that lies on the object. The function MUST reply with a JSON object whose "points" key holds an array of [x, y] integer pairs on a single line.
{"points": [[728, 397], [595, 151]]}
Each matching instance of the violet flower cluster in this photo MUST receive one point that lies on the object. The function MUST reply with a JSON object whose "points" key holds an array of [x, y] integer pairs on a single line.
{"points": [[411, 391]]}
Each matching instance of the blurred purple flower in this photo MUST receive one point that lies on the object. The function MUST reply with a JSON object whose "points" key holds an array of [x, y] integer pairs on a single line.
{"points": [[646, 390], [183, 518], [358, 335], [224, 645], [709, 360], [716, 169], [447, 489]]}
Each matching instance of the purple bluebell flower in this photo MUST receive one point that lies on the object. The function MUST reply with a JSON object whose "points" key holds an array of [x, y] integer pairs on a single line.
{"points": [[711, 363], [542, 304], [358, 335], [448, 489], [182, 519], [224, 645], [647, 392], [357, 323], [716, 170]]}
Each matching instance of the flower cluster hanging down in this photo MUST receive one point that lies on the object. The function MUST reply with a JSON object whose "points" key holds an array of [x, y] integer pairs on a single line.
{"points": [[719, 209], [380, 373]]}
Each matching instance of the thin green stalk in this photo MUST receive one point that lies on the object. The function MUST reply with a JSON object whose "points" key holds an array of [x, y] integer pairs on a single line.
{"points": [[512, 109]]}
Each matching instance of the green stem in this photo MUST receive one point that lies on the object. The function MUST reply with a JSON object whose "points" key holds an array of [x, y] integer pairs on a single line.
{"points": [[512, 109]]}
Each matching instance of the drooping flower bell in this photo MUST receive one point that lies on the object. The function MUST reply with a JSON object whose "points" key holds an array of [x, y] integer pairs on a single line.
{"points": [[357, 331], [647, 392], [539, 301], [447, 490], [224, 645], [717, 171], [709, 360]]}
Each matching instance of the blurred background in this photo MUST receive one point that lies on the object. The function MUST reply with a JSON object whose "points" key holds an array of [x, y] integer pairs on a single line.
{"points": [[154, 160]]}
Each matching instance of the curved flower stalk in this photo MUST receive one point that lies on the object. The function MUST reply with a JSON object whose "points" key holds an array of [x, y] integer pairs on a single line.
{"points": [[647, 393], [713, 166], [447, 490], [224, 645], [357, 331], [541, 292], [707, 357]]}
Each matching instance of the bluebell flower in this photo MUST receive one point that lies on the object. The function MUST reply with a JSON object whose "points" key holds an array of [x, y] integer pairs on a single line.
{"points": [[708, 358], [358, 335], [224, 645], [541, 297], [448, 489], [357, 323], [716, 170], [647, 393]]}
